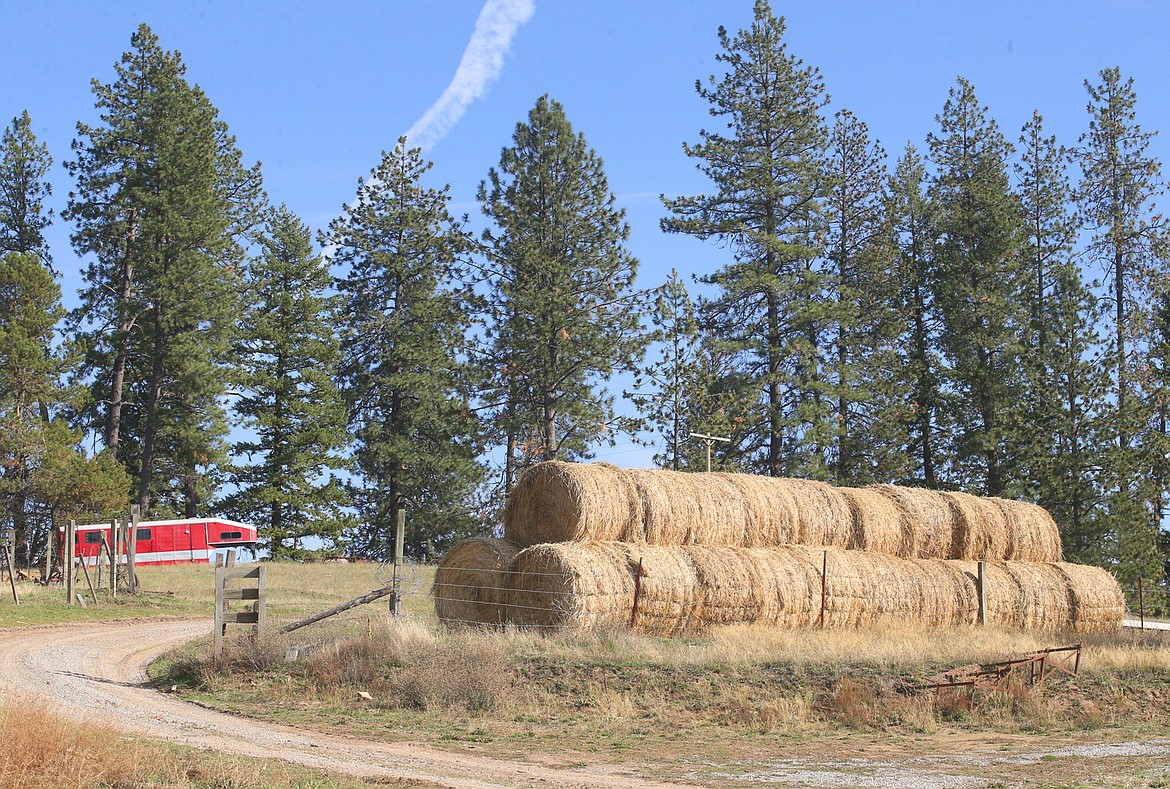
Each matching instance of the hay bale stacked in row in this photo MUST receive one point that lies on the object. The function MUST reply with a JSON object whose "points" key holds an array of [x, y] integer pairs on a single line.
{"points": [[732, 548], [598, 502], [684, 589]]}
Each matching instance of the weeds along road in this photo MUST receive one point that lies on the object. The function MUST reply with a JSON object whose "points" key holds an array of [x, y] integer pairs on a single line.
{"points": [[97, 672]]}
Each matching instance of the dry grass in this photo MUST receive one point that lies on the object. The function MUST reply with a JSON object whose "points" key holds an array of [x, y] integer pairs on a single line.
{"points": [[41, 750]]}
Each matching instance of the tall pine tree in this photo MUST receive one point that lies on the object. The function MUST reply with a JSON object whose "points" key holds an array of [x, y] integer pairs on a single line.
{"points": [[400, 257], [288, 353], [765, 163], [24, 168], [1120, 182], [565, 309], [162, 200], [1060, 441], [978, 285]]}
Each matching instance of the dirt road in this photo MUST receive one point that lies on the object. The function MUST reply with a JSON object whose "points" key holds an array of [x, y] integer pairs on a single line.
{"points": [[98, 672]]}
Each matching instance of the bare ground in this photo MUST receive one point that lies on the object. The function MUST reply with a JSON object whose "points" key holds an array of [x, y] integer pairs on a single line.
{"points": [[96, 671]]}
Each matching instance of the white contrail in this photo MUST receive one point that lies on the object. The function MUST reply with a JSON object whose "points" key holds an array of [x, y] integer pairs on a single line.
{"points": [[481, 64]]}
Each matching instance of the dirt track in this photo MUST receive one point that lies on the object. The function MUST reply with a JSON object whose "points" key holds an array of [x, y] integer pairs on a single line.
{"points": [[97, 672]]}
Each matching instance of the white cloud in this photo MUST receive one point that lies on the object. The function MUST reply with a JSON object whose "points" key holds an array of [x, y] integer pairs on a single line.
{"points": [[482, 61]]}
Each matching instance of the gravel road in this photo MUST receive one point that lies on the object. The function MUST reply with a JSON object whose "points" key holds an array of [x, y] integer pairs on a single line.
{"points": [[98, 672]]}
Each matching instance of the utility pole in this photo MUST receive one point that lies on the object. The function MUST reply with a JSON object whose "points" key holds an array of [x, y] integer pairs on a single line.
{"points": [[710, 440]]}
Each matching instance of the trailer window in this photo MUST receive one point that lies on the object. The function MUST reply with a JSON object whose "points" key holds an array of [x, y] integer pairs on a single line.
{"points": [[92, 537], [142, 534], [230, 535]]}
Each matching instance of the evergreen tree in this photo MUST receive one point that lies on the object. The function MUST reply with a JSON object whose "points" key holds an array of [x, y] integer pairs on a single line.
{"points": [[24, 166], [916, 372], [565, 311], [765, 205], [1059, 440], [401, 258], [670, 392], [288, 354], [1119, 185], [859, 257], [978, 285], [44, 477], [162, 201]]}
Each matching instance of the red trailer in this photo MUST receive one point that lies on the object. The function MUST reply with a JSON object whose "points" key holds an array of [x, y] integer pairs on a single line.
{"points": [[169, 541]]}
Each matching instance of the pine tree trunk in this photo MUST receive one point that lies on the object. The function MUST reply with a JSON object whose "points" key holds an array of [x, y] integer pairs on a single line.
{"points": [[125, 324], [150, 430], [775, 424]]}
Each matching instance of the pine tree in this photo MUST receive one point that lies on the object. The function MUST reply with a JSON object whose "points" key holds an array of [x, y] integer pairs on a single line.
{"points": [[859, 257], [565, 310], [44, 476], [288, 353], [401, 257], [24, 167], [1060, 436], [765, 205], [978, 284], [669, 391], [915, 372], [162, 201], [1119, 185]]}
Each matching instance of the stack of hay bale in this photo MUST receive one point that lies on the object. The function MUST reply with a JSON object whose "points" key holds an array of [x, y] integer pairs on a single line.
{"points": [[594, 546]]}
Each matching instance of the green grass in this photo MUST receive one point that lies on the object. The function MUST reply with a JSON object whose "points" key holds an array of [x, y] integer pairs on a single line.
{"points": [[294, 591]]}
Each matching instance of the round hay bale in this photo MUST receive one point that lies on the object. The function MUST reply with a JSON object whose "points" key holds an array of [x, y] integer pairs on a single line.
{"points": [[981, 530], [684, 589], [927, 523], [770, 511], [824, 513], [877, 522], [1096, 601], [1033, 534], [570, 585], [470, 580], [565, 502]]}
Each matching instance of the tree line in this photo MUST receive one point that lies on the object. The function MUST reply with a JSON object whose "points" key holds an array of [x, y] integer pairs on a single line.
{"points": [[980, 313]]}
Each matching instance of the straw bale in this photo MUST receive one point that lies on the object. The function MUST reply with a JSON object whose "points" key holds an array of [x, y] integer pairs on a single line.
{"points": [[1033, 534], [687, 588], [564, 502], [582, 502], [681, 508], [1095, 598], [824, 512], [927, 523], [981, 530], [771, 513], [877, 522], [469, 582], [571, 585]]}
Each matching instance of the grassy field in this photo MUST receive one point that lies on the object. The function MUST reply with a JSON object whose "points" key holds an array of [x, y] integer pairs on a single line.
{"points": [[294, 590]]}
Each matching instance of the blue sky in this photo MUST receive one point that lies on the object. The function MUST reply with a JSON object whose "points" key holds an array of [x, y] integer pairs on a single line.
{"points": [[316, 91]]}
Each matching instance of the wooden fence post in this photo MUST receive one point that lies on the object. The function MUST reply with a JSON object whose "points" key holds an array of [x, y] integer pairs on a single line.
{"points": [[399, 543], [257, 616], [824, 585], [89, 582], [49, 555], [638, 572], [132, 550], [1142, 602], [11, 565], [67, 555], [981, 588]]}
